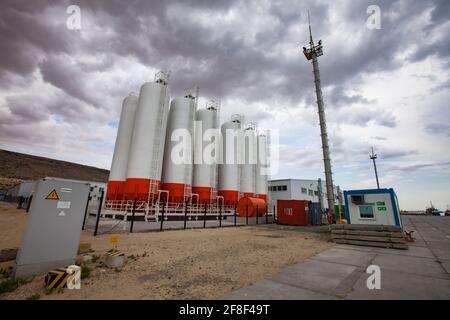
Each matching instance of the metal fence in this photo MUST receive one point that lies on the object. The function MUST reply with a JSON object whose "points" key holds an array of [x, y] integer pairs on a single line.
{"points": [[22, 202], [137, 216]]}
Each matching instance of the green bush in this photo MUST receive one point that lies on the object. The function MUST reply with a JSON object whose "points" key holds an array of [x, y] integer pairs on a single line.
{"points": [[35, 296], [85, 272], [5, 273], [9, 285]]}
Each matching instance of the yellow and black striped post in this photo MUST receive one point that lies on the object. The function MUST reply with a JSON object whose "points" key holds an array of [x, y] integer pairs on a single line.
{"points": [[57, 278]]}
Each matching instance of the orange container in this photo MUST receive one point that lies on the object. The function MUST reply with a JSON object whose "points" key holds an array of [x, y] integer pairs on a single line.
{"points": [[251, 204], [293, 212]]}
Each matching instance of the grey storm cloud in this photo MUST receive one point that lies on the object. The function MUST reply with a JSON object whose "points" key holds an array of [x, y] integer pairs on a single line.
{"points": [[418, 166], [438, 128], [224, 59], [337, 97]]}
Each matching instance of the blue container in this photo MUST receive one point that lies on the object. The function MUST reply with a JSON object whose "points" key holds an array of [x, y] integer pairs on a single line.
{"points": [[315, 215]]}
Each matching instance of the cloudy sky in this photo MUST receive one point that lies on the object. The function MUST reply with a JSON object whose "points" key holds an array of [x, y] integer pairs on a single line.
{"points": [[61, 90]]}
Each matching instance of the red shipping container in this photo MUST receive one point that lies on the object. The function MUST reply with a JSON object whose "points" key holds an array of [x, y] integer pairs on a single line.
{"points": [[292, 212]]}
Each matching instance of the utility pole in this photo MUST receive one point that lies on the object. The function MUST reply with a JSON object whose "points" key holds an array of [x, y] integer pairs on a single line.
{"points": [[373, 156], [312, 53]]}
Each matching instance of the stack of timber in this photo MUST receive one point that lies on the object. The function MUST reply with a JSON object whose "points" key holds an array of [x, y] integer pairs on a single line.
{"points": [[369, 235]]}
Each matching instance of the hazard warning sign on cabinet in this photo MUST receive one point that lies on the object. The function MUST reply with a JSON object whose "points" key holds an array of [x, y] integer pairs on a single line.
{"points": [[52, 195]]}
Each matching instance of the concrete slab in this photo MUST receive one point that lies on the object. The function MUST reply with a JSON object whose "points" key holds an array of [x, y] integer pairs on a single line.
{"points": [[411, 265], [439, 244], [433, 237], [446, 265], [414, 251], [354, 247], [346, 256], [271, 290], [417, 243], [320, 276], [442, 254], [400, 285], [421, 272]]}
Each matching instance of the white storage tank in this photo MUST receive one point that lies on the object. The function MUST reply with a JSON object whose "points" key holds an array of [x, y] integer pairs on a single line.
{"points": [[118, 173], [262, 168], [204, 180], [147, 145], [229, 169], [178, 153], [248, 171]]}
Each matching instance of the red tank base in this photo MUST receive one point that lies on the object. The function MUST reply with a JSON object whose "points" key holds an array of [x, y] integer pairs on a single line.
{"points": [[248, 194], [176, 192], [139, 189], [262, 196], [204, 194], [230, 197], [115, 190]]}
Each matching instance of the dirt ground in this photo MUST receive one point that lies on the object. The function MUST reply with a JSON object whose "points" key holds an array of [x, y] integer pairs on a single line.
{"points": [[184, 264]]}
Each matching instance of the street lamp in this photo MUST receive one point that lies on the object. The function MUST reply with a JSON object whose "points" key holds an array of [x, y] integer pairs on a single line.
{"points": [[373, 156], [312, 52]]}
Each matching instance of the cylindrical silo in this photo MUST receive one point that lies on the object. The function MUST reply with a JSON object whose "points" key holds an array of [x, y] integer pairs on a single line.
{"points": [[205, 170], [262, 168], [178, 154], [118, 173], [229, 169], [147, 145], [248, 169]]}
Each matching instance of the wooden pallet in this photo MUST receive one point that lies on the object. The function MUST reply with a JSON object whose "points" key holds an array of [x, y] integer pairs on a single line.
{"points": [[369, 235], [368, 227]]}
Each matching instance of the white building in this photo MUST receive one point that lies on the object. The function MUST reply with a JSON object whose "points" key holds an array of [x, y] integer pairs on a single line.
{"points": [[23, 189], [301, 189], [26, 189]]}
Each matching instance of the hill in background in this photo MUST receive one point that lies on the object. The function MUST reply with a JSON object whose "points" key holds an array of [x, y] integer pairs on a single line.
{"points": [[17, 167]]}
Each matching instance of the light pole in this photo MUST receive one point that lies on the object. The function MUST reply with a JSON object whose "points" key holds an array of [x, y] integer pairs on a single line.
{"points": [[373, 156], [312, 52]]}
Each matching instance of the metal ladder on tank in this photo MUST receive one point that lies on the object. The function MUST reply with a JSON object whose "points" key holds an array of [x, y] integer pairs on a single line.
{"points": [[156, 163], [187, 179]]}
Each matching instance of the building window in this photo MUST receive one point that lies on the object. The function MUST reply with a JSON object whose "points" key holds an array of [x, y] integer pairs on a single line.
{"points": [[279, 188], [304, 190], [316, 193], [366, 212], [310, 192], [284, 188]]}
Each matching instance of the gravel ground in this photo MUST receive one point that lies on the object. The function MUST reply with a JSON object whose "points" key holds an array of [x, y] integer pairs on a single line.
{"points": [[182, 264]]}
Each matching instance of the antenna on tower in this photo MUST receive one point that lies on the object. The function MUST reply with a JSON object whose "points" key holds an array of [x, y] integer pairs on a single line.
{"points": [[311, 42]]}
